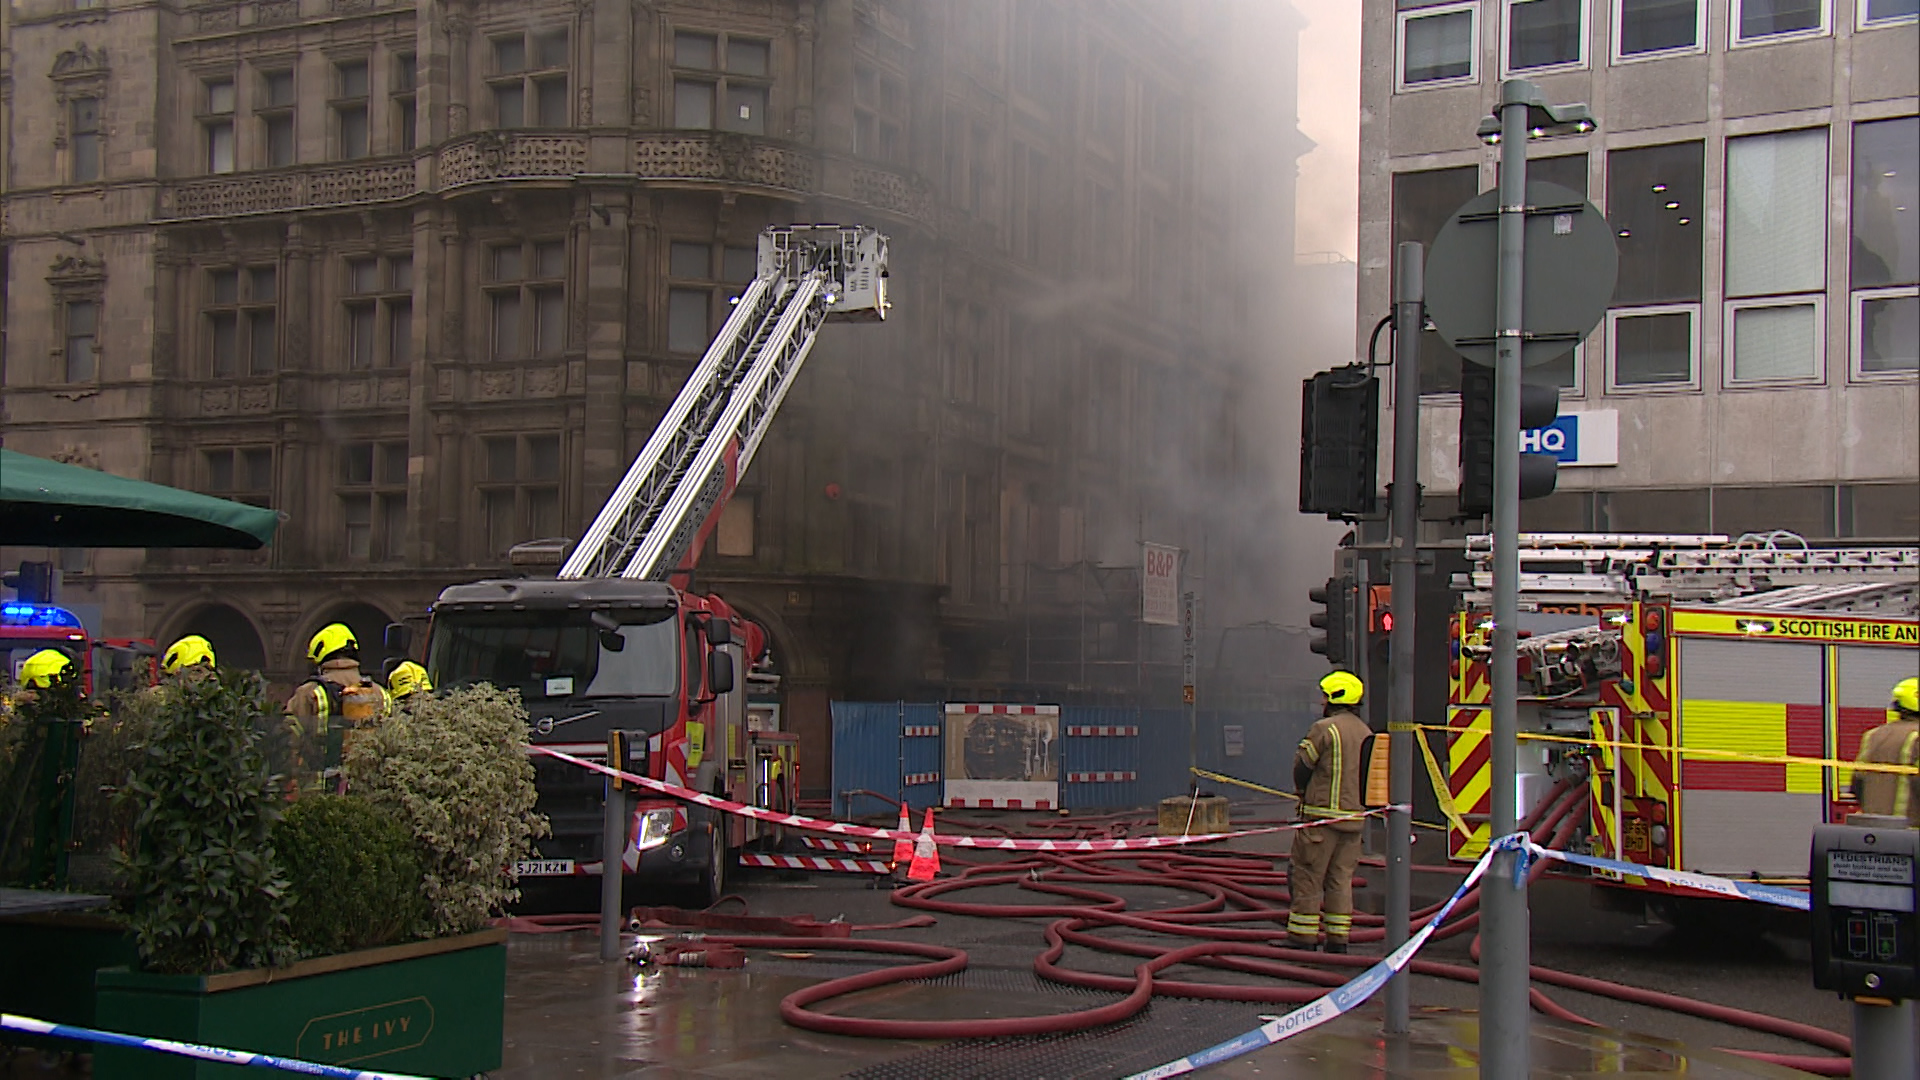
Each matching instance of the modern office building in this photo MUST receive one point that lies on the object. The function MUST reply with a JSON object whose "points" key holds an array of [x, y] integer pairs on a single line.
{"points": [[422, 276], [1759, 163]]}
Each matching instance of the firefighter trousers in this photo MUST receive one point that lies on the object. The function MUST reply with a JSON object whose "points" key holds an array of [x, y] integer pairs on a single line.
{"points": [[1320, 879]]}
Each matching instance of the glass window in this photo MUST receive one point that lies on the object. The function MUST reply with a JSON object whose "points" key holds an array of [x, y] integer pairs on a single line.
{"points": [[224, 333], [1657, 26], [393, 526], [280, 147], [260, 339], [220, 147], [1652, 348], [400, 334], [360, 336], [1884, 12], [522, 650], [746, 57], [402, 273], [508, 263], [689, 261], [1546, 33], [82, 325], [353, 79], [510, 55], [1771, 342], [260, 284], [543, 457], [1886, 203], [501, 459], [510, 105], [550, 259], [1438, 45], [363, 275], [550, 49], [226, 286], [1776, 213], [393, 463], [695, 51], [84, 139], [739, 264], [506, 325], [692, 104], [279, 89], [354, 141], [687, 320], [220, 97], [1422, 203], [1654, 203], [550, 106], [549, 322], [356, 463], [1886, 331], [746, 110], [1756, 19]]}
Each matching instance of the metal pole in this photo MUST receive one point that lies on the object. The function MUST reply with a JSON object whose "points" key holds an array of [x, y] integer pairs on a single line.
{"points": [[1409, 290], [1504, 1023], [613, 844], [1883, 1040]]}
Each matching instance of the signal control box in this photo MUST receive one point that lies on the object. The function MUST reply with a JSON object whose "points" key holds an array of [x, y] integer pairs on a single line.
{"points": [[1865, 943]]}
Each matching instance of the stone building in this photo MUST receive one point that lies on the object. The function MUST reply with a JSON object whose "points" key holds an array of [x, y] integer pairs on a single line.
{"points": [[1760, 165], [422, 275]]}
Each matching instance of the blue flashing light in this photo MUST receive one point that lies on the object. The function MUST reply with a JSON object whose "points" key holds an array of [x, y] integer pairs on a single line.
{"points": [[21, 614]]}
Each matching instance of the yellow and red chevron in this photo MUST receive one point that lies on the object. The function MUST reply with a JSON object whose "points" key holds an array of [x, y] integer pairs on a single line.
{"points": [[1470, 777], [1601, 780]]}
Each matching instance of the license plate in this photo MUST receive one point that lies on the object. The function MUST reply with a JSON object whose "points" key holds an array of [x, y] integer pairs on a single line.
{"points": [[543, 868]]}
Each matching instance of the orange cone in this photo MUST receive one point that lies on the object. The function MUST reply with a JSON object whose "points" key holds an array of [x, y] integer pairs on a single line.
{"points": [[926, 854], [902, 847]]}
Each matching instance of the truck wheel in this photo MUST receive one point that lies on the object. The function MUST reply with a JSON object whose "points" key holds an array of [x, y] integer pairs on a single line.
{"points": [[713, 880]]}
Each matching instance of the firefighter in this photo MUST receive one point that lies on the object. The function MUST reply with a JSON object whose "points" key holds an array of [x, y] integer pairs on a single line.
{"points": [[190, 657], [406, 680], [325, 710], [1896, 742], [43, 668], [1327, 771]]}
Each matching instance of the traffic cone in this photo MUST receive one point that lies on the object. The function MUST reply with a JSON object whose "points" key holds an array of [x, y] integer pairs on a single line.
{"points": [[902, 847], [926, 854]]}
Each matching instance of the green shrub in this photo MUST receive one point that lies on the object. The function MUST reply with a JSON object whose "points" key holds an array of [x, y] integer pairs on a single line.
{"points": [[205, 893], [352, 875], [453, 771]]}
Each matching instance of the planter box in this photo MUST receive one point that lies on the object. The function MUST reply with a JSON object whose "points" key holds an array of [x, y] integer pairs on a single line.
{"points": [[431, 1008], [47, 964]]}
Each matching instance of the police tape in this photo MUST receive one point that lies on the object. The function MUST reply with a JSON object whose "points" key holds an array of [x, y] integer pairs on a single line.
{"points": [[988, 843], [1342, 999], [1728, 887], [194, 1050], [1680, 751]]}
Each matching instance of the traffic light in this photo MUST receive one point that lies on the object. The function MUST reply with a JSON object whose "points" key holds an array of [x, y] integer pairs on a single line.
{"points": [[1379, 609], [1539, 406], [1331, 621], [33, 583], [1339, 442]]}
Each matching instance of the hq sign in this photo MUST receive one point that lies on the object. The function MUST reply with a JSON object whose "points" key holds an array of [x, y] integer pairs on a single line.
{"points": [[1581, 438]]}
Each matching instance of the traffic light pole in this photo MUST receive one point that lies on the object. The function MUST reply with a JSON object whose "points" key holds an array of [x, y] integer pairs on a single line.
{"points": [[1505, 946], [1409, 291]]}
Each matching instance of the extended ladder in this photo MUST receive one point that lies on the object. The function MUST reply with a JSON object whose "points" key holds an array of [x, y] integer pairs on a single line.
{"points": [[1582, 566], [807, 275]]}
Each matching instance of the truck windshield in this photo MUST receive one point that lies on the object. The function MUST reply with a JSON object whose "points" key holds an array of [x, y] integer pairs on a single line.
{"points": [[554, 654]]}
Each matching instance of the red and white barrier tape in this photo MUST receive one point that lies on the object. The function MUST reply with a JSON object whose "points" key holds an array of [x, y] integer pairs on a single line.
{"points": [[991, 843], [814, 862]]}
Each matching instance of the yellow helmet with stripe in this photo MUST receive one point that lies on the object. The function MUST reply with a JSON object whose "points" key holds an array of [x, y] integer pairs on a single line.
{"points": [[188, 651], [1342, 688], [1906, 695], [407, 679], [333, 640], [43, 667]]}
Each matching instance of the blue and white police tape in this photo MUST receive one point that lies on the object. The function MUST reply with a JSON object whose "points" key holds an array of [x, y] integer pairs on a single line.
{"points": [[1342, 999], [1727, 887], [194, 1050]]}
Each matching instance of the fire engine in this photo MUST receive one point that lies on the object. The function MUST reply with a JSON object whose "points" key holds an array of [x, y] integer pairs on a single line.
{"points": [[1703, 689], [27, 627], [617, 642]]}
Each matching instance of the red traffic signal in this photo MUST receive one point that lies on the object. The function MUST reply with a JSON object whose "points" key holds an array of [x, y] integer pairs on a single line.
{"points": [[1380, 609]]}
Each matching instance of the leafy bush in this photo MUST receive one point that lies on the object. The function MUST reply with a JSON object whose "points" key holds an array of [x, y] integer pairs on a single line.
{"points": [[39, 743], [453, 770], [206, 894], [352, 875]]}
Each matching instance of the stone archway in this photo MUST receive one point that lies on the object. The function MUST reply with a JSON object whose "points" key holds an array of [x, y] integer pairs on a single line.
{"points": [[236, 641]]}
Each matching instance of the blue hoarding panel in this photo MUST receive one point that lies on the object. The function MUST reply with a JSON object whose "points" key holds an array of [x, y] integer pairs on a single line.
{"points": [[921, 756]]}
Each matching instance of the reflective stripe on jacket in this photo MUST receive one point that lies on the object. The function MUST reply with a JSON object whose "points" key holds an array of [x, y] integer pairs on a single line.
{"points": [[1332, 748]]}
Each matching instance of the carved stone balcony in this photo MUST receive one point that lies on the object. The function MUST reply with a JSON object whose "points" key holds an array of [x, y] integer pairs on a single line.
{"points": [[288, 189]]}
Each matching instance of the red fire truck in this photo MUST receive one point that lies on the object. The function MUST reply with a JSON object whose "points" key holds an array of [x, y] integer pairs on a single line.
{"points": [[26, 628]]}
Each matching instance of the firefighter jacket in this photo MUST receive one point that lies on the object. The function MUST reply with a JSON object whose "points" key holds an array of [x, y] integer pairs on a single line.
{"points": [[1332, 750], [323, 714], [1896, 742]]}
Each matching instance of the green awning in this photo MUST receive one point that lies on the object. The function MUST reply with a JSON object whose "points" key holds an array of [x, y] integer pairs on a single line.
{"points": [[45, 503]]}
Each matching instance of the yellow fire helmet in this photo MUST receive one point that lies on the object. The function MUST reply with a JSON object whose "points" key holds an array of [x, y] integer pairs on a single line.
{"points": [[188, 651], [408, 679], [333, 640], [1342, 688], [43, 667], [1906, 695]]}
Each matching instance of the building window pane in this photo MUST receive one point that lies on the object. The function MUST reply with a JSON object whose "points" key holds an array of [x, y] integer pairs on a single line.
{"points": [[1889, 334], [550, 49], [1422, 203], [402, 273], [393, 463], [1567, 170], [692, 104], [220, 98], [82, 321], [746, 57], [226, 286], [508, 263], [85, 139], [393, 527], [506, 325], [1438, 46], [687, 320], [1886, 203], [551, 106], [1653, 349], [1653, 203], [356, 464], [220, 147], [353, 79], [694, 51], [1545, 33], [406, 125], [260, 286], [1775, 342], [543, 512], [225, 335], [501, 534], [550, 259], [279, 89], [550, 322], [280, 148], [510, 105], [746, 110], [363, 275], [353, 132], [400, 333], [1561, 373], [739, 264], [510, 55], [543, 457], [256, 469], [260, 342], [1649, 26], [1776, 213], [501, 459], [1880, 11], [1766, 18], [690, 262], [360, 337]]}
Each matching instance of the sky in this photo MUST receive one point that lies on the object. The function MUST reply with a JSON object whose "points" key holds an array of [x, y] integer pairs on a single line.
{"points": [[1329, 196]]}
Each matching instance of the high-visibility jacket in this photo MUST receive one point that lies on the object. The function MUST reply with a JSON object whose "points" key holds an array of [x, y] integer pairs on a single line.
{"points": [[324, 714], [1896, 742], [1332, 750]]}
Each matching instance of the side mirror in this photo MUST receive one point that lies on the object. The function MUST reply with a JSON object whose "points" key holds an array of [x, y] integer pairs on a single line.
{"points": [[719, 673], [719, 632], [398, 638]]}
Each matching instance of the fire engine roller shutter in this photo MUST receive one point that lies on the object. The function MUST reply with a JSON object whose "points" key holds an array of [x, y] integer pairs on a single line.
{"points": [[1866, 675], [1750, 697]]}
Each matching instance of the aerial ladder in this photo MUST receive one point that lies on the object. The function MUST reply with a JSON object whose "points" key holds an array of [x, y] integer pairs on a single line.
{"points": [[655, 521]]}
